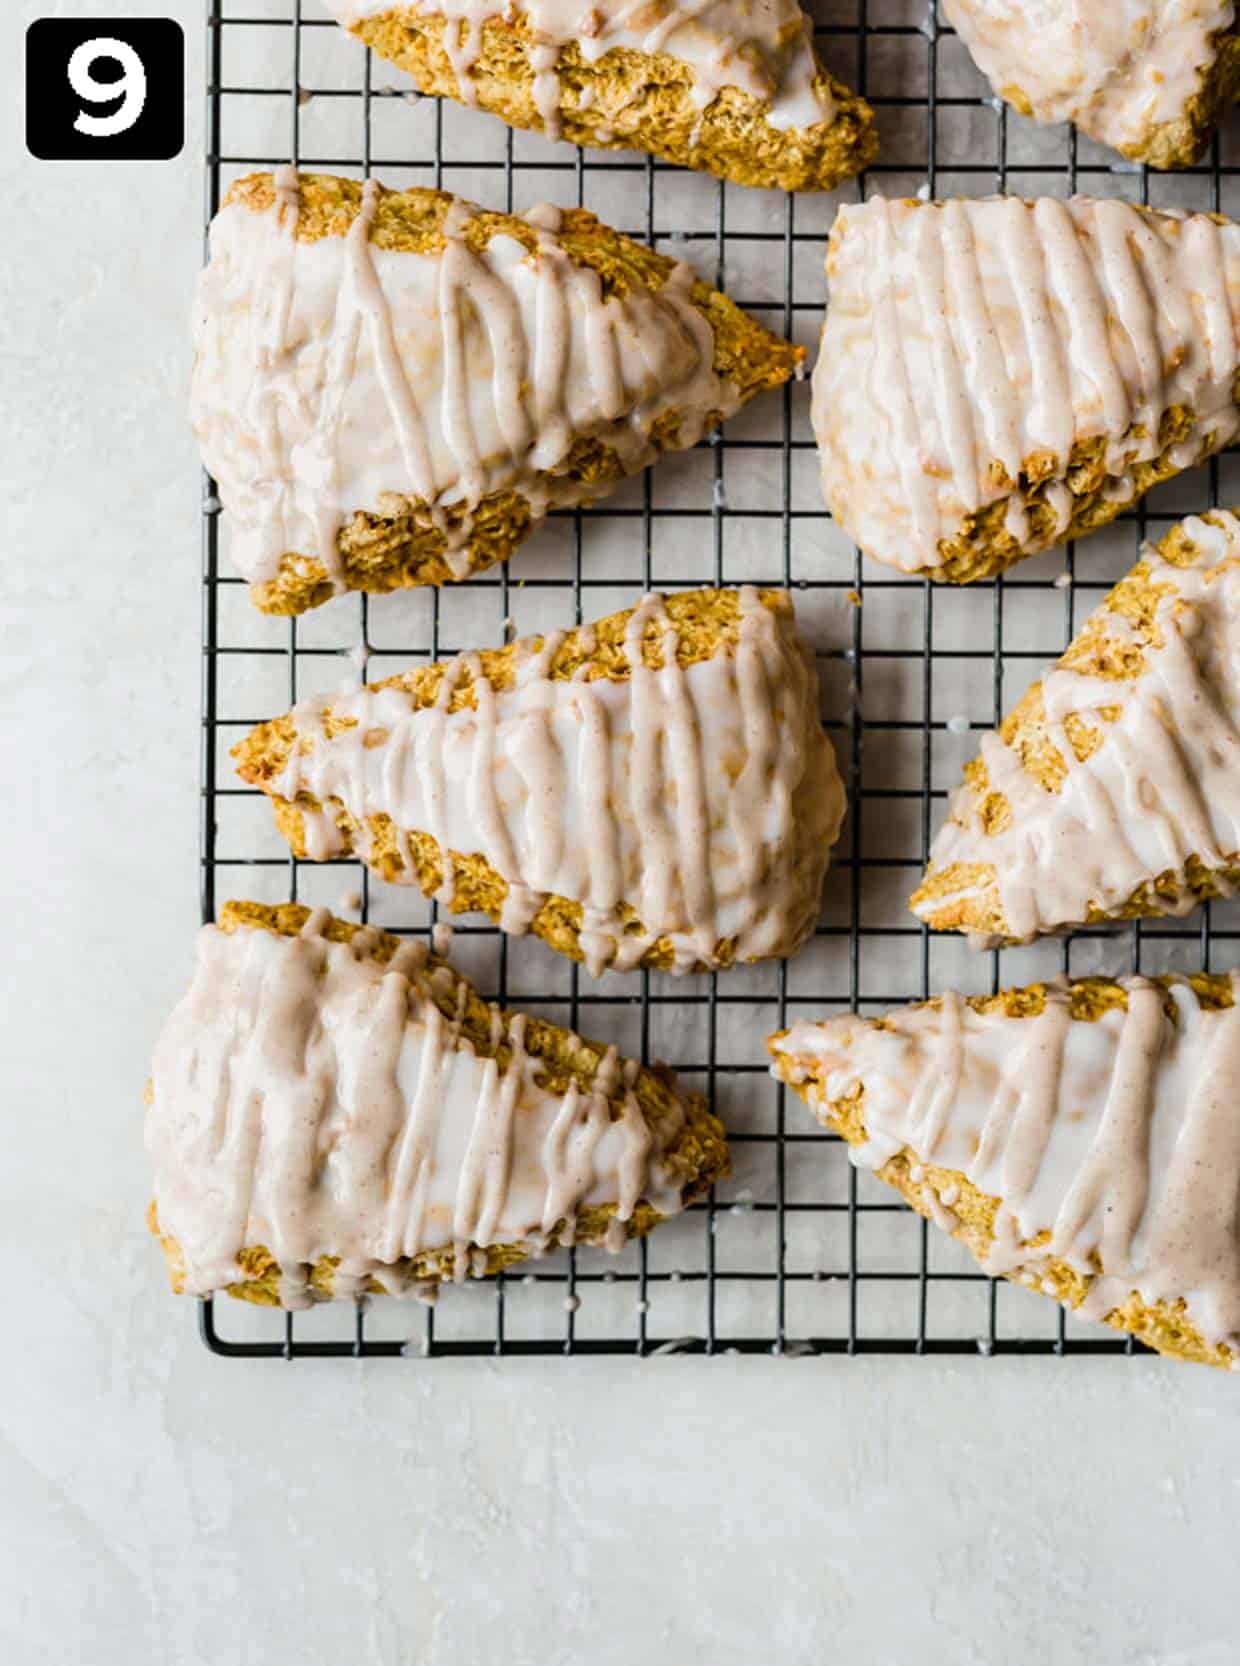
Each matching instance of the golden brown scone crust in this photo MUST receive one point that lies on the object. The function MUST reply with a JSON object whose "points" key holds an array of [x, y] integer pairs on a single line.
{"points": [[1182, 143], [405, 546], [707, 622], [984, 547], [635, 101], [1164, 1326], [1094, 653], [699, 1152]]}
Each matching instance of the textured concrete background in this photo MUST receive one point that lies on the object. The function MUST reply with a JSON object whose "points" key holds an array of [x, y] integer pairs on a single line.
{"points": [[161, 1506]]}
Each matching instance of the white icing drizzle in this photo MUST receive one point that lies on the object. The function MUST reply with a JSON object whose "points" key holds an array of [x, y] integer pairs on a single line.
{"points": [[311, 1100], [1116, 70], [1118, 1136], [333, 377], [760, 47], [705, 796], [1163, 785], [964, 338]]}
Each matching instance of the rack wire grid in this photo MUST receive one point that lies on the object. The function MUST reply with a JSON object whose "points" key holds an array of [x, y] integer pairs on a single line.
{"points": [[797, 1253]]}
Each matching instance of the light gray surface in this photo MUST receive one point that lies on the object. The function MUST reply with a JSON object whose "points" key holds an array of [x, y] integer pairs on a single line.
{"points": [[161, 1506]]}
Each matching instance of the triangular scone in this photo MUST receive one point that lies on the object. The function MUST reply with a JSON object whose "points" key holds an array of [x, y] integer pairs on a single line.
{"points": [[1112, 788], [1082, 1139], [727, 86], [1149, 77], [997, 376], [393, 388], [652, 790], [334, 1111]]}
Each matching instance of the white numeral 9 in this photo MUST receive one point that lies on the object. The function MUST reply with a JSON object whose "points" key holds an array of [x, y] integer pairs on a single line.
{"points": [[130, 88]]}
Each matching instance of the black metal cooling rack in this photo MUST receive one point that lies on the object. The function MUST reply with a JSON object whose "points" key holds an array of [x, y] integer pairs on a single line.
{"points": [[798, 1254]]}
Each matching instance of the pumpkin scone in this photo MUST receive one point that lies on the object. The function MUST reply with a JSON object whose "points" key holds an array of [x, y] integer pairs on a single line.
{"points": [[998, 376], [1080, 1138], [652, 790], [730, 86], [394, 388], [334, 1111], [1111, 791], [1148, 77]]}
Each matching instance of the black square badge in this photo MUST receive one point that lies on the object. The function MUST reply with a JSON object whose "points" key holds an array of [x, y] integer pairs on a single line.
{"points": [[104, 89]]}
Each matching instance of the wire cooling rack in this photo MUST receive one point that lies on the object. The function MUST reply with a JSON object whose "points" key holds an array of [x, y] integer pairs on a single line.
{"points": [[798, 1253]]}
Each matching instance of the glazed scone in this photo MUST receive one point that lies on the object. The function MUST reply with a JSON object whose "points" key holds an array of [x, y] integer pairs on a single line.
{"points": [[730, 86], [1079, 1138], [1148, 77], [997, 376], [652, 790], [1111, 791], [394, 388], [333, 1111]]}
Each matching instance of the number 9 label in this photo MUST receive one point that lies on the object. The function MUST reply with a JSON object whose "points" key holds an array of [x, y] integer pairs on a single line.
{"points": [[105, 89], [130, 89]]}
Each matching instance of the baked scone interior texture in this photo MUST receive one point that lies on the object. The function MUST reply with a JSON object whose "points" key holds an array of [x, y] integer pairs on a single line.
{"points": [[386, 375], [1112, 790], [334, 1110], [998, 375], [1146, 76], [656, 788], [1081, 1139], [731, 86]]}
